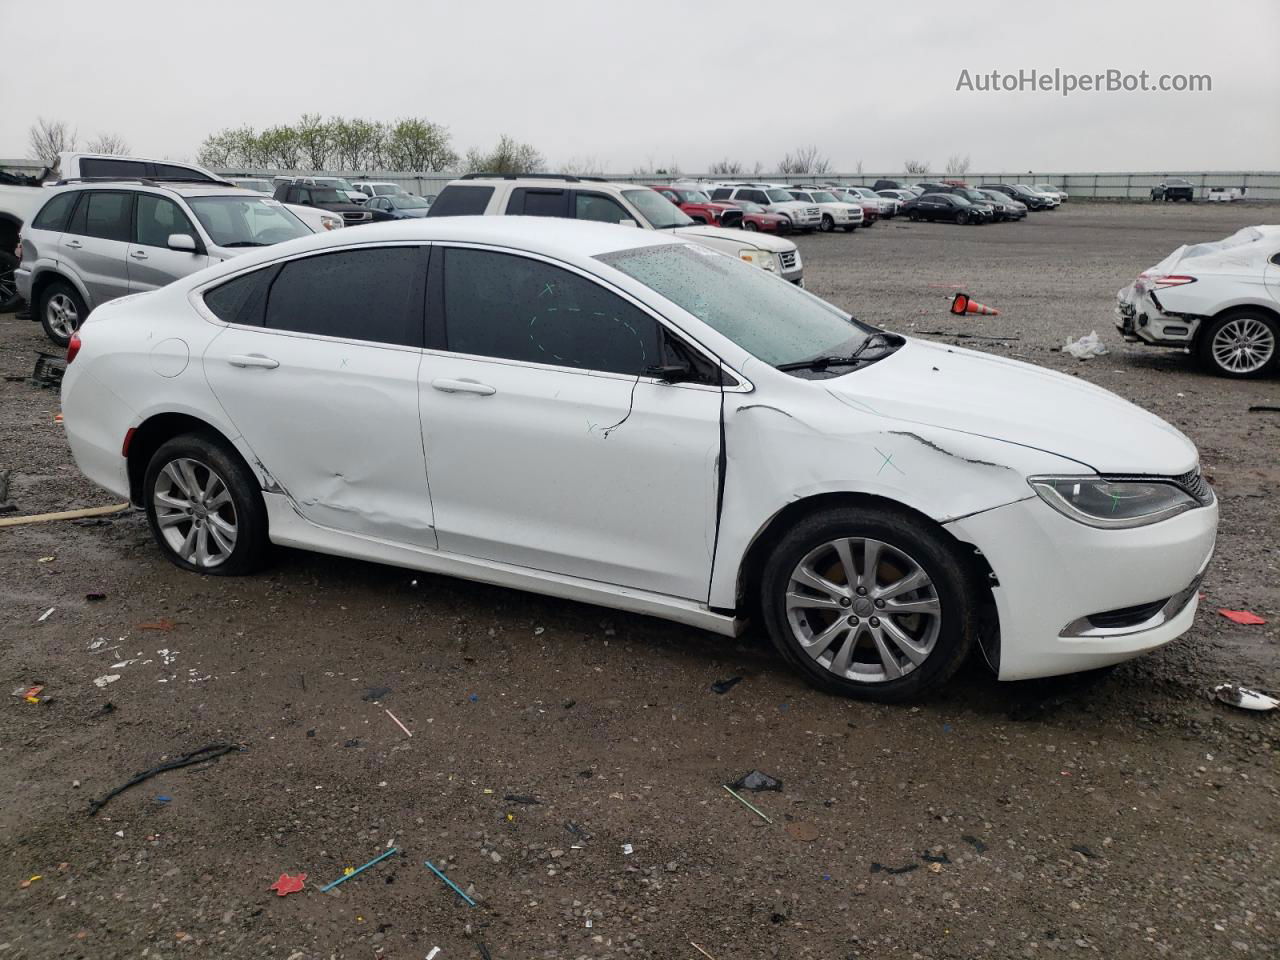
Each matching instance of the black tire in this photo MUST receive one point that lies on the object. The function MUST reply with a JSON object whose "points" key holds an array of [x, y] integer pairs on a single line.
{"points": [[850, 227], [828, 223], [955, 587], [750, 225], [51, 306], [9, 299], [246, 511], [1250, 316], [786, 226], [962, 216], [913, 216]]}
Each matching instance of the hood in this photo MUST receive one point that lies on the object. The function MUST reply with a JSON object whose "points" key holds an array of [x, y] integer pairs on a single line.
{"points": [[1243, 250], [794, 205], [745, 238], [988, 396]]}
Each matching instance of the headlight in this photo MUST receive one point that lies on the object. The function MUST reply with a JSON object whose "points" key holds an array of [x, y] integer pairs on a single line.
{"points": [[760, 258], [1113, 504], [331, 223]]}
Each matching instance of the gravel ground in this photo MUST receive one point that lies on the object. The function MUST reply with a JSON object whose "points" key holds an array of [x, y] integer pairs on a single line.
{"points": [[1123, 814]]}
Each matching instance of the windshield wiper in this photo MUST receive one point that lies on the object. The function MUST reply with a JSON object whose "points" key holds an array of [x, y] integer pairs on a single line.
{"points": [[853, 359], [244, 243]]}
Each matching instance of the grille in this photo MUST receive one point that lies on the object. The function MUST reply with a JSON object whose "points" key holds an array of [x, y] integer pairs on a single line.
{"points": [[788, 258], [351, 216], [812, 211], [1194, 483]]}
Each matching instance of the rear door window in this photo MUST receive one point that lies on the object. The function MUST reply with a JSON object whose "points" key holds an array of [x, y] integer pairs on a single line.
{"points": [[532, 202], [373, 294], [53, 215], [105, 214], [458, 200], [517, 308]]}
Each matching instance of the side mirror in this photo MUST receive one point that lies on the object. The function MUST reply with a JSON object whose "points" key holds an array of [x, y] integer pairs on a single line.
{"points": [[670, 372], [182, 241], [627, 222]]}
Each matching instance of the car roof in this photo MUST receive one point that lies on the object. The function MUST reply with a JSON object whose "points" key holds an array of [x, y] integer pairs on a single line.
{"points": [[551, 236], [181, 188]]}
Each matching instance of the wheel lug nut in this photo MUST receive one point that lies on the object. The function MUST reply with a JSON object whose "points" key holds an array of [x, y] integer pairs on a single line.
{"points": [[862, 591], [853, 621], [880, 604], [875, 621], [845, 601]]}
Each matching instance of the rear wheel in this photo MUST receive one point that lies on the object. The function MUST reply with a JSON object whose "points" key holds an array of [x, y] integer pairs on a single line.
{"points": [[61, 310], [9, 298], [869, 603], [1241, 344], [204, 507]]}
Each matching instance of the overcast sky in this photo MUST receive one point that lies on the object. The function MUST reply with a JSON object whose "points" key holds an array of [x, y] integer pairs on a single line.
{"points": [[689, 82]]}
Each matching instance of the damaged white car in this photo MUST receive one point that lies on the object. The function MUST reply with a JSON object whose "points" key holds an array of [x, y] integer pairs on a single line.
{"points": [[1219, 300], [624, 418]]}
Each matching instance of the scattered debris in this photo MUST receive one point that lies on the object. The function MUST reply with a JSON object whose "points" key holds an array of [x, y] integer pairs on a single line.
{"points": [[577, 831], [746, 803], [940, 858], [5, 506], [431, 954], [521, 798], [287, 884], [375, 693], [48, 370], [203, 755], [1084, 851], [163, 799], [395, 719], [46, 615], [701, 951], [1257, 408], [975, 843], [962, 303], [803, 831], [163, 625], [64, 515], [484, 951], [95, 597], [881, 868], [1243, 617], [627, 850], [1086, 347], [755, 781], [935, 867], [350, 872], [724, 686], [46, 560], [102, 681], [452, 886], [1235, 695], [30, 880]]}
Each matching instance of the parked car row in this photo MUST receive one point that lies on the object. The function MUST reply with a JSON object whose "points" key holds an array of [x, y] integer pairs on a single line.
{"points": [[955, 201]]}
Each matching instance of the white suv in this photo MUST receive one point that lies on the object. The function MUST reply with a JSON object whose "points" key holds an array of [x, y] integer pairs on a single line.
{"points": [[835, 212], [774, 198], [594, 198]]}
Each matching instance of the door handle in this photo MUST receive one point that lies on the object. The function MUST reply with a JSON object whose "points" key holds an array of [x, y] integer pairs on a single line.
{"points": [[253, 360], [464, 386], [74, 244], [139, 255]]}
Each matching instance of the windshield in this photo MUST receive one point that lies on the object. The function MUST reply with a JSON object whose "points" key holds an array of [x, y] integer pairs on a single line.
{"points": [[386, 189], [823, 197], [408, 203], [660, 212], [246, 221], [749, 207], [692, 196], [801, 196], [336, 182], [326, 195], [778, 196], [973, 195], [771, 319], [961, 201]]}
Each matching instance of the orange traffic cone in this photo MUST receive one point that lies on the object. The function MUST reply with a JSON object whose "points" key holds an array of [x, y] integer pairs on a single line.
{"points": [[963, 304]]}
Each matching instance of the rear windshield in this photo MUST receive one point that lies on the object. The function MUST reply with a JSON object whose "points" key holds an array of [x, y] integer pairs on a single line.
{"points": [[457, 200]]}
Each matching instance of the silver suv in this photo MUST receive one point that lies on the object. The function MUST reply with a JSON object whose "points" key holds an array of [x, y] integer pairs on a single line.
{"points": [[93, 242]]}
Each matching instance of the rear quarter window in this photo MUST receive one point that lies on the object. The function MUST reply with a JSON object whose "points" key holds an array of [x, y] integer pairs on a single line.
{"points": [[457, 200], [53, 215], [100, 167], [241, 300]]}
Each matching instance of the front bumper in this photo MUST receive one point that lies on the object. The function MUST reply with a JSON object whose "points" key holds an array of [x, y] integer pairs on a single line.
{"points": [[1053, 573], [1140, 318], [22, 280]]}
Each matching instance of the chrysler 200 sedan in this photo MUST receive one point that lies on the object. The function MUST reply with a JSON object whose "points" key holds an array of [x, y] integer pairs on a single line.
{"points": [[624, 418]]}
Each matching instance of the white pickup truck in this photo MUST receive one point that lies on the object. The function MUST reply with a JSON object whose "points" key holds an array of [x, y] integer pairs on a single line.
{"points": [[21, 196]]}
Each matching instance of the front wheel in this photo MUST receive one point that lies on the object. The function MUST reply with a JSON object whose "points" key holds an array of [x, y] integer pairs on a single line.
{"points": [[204, 507], [872, 604], [61, 310], [913, 216], [750, 225], [962, 216], [828, 223], [9, 298], [1240, 344]]}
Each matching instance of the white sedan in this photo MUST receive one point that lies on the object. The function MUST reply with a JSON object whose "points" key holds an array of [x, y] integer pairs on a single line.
{"points": [[624, 418], [1220, 300]]}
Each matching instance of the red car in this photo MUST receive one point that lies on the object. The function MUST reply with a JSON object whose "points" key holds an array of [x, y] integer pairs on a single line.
{"points": [[756, 217], [701, 207]]}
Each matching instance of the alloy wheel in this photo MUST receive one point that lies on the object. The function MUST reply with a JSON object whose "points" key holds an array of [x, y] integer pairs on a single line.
{"points": [[1243, 345], [863, 609], [195, 513], [62, 314], [8, 286]]}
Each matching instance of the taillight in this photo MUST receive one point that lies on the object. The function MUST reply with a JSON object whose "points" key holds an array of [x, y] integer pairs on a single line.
{"points": [[1173, 280], [128, 439], [73, 347]]}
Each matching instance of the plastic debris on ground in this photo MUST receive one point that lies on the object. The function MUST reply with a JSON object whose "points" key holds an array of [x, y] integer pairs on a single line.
{"points": [[881, 868], [1086, 347], [212, 752], [803, 831], [1235, 695], [724, 686], [407, 731], [747, 803], [452, 886], [756, 781], [376, 693], [1243, 617], [350, 872], [287, 884]]}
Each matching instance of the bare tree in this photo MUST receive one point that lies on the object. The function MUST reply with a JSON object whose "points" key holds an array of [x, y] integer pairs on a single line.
{"points": [[916, 167], [806, 160], [509, 156], [109, 143], [958, 166], [857, 168], [650, 169], [727, 167], [588, 166], [48, 138]]}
